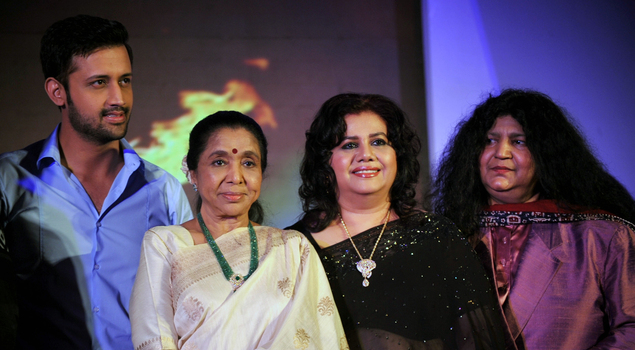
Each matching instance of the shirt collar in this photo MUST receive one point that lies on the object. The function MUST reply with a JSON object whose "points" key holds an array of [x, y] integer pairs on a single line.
{"points": [[51, 151], [130, 157]]}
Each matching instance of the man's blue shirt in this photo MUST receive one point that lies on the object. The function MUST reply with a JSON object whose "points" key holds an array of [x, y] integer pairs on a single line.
{"points": [[76, 266]]}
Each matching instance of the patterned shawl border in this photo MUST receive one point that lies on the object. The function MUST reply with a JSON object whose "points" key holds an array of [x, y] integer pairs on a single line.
{"points": [[268, 238], [158, 343], [504, 218]]}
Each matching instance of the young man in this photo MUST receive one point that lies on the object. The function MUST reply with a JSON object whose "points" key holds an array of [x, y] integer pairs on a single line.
{"points": [[74, 207]]}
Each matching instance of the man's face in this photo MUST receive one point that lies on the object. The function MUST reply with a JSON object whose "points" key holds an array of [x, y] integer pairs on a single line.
{"points": [[99, 97]]}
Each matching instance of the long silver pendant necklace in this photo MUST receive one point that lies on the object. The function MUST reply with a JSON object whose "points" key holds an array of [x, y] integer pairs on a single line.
{"points": [[235, 279], [365, 266]]}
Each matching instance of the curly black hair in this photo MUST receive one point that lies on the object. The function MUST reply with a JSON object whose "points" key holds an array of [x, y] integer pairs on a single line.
{"points": [[318, 189], [205, 129], [567, 171]]}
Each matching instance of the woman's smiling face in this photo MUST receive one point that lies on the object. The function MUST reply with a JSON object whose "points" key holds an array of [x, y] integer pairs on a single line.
{"points": [[364, 162]]}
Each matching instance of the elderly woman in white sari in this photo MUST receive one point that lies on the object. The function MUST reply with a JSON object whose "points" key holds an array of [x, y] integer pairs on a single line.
{"points": [[222, 281]]}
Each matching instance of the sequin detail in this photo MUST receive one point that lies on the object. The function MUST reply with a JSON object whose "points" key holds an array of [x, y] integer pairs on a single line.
{"points": [[428, 286]]}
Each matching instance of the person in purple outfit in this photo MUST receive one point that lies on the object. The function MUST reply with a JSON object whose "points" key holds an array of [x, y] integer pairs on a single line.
{"points": [[551, 224]]}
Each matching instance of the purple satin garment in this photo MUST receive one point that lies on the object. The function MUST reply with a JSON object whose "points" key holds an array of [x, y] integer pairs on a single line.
{"points": [[506, 243], [574, 285]]}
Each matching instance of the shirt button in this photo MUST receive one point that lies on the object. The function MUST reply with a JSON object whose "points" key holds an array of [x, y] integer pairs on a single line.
{"points": [[96, 309], [96, 267], [99, 224]]}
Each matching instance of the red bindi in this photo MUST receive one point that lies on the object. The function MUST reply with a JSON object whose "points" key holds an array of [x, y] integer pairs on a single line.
{"points": [[234, 151]]}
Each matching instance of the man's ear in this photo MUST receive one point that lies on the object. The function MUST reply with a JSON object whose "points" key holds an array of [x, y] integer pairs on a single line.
{"points": [[56, 92]]}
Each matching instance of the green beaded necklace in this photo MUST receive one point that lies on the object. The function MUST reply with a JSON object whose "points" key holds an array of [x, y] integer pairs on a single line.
{"points": [[235, 279]]}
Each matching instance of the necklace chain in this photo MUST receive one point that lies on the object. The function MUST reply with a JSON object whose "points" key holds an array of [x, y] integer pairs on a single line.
{"points": [[365, 266], [235, 279]]}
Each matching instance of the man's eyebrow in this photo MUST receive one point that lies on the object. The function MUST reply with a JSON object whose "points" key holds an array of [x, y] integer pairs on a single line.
{"points": [[106, 76]]}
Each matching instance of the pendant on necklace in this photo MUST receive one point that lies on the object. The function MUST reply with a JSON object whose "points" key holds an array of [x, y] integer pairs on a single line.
{"points": [[236, 280], [366, 267]]}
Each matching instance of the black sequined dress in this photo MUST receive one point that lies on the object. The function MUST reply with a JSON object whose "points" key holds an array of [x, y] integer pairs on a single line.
{"points": [[428, 290]]}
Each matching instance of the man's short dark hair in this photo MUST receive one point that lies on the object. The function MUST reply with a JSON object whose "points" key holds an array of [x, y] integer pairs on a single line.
{"points": [[78, 36]]}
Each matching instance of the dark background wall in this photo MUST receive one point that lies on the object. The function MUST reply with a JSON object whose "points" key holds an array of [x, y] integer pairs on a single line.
{"points": [[196, 57]]}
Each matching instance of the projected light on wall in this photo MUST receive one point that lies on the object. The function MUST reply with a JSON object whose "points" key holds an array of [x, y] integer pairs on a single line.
{"points": [[169, 139]]}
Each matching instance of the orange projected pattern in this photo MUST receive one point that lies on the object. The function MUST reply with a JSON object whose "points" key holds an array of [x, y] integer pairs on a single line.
{"points": [[260, 63], [169, 142]]}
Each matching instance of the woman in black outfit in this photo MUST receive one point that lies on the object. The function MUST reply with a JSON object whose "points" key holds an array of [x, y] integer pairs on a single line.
{"points": [[402, 278]]}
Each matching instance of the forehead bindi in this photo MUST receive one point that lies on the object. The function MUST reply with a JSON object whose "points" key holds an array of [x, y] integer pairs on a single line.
{"points": [[233, 141]]}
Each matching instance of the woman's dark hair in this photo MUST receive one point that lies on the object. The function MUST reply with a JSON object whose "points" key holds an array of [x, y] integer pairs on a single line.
{"points": [[566, 169], [318, 189], [78, 36], [205, 128]]}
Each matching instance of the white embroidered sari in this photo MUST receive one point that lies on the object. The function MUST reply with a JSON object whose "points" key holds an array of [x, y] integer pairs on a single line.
{"points": [[181, 299]]}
